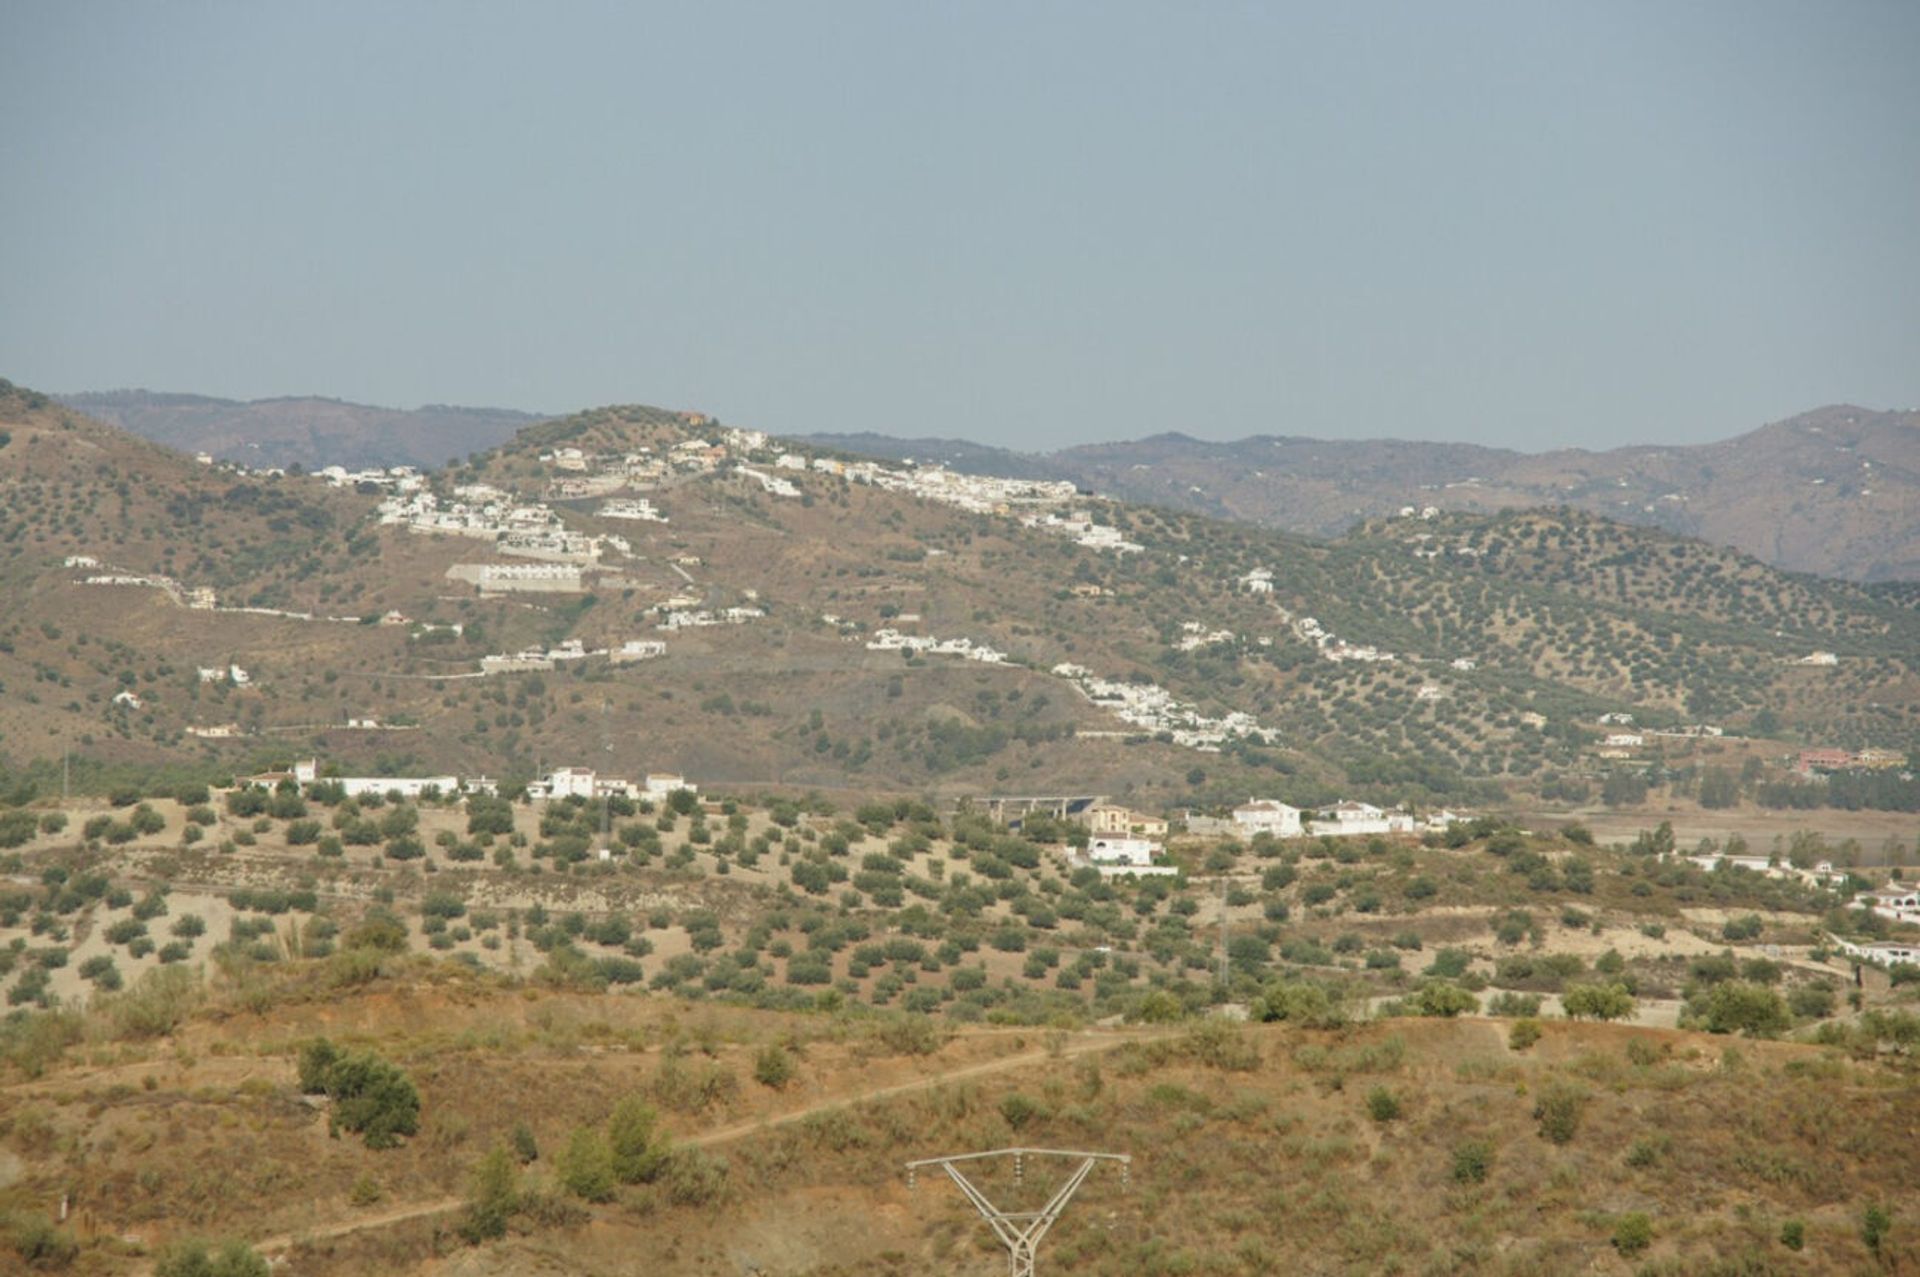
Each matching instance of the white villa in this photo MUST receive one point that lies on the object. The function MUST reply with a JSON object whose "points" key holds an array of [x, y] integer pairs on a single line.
{"points": [[1350, 818], [1265, 816], [1116, 856]]}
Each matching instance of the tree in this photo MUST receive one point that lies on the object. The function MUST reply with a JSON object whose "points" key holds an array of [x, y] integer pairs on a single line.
{"points": [[637, 1147], [1718, 788], [773, 1066], [1443, 999], [493, 1194], [1738, 1006], [371, 1097], [1597, 1002], [586, 1165]]}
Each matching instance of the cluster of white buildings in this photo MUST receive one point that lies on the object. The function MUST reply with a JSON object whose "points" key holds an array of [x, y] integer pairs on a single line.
{"points": [[772, 483], [584, 782], [639, 509], [1823, 873], [307, 772], [1194, 635], [225, 674], [1153, 709], [1347, 819], [980, 494], [1309, 630], [395, 478], [890, 640], [1884, 954], [1079, 525], [679, 619]]}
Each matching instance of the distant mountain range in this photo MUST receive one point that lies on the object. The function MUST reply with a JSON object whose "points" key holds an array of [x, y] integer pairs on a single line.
{"points": [[305, 431], [1834, 491]]}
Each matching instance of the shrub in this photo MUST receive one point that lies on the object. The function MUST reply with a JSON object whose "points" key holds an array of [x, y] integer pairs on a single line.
{"points": [[586, 1165], [1442, 999], [773, 1066], [493, 1194], [1523, 1034], [1018, 1110], [525, 1147], [1558, 1111], [1299, 1002], [1382, 1105], [1875, 1222], [1793, 1234], [1632, 1234], [692, 1177], [197, 1259], [1472, 1161], [637, 1147], [39, 1244], [371, 1097], [156, 1004], [1752, 1009], [1597, 1002]]}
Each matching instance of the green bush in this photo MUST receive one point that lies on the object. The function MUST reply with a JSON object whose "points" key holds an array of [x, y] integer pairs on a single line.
{"points": [[493, 1194], [1632, 1234], [586, 1166], [1472, 1161], [198, 1259], [1558, 1111], [1597, 1002], [773, 1066], [371, 1097], [1382, 1105], [1523, 1034], [38, 1243], [636, 1144]]}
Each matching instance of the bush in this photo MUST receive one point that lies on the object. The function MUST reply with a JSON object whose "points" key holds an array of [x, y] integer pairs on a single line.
{"points": [[637, 1147], [586, 1166], [1523, 1034], [1793, 1234], [156, 1004], [371, 1097], [1442, 999], [493, 1194], [773, 1066], [197, 1259], [1875, 1222], [1752, 1009], [1019, 1110], [1472, 1161], [1558, 1111], [1632, 1234], [39, 1244], [1597, 1002], [1382, 1105], [692, 1177]]}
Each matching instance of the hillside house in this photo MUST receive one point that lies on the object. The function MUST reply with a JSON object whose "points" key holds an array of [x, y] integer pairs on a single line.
{"points": [[1818, 658], [1265, 816], [1121, 857], [662, 785], [1824, 760], [126, 699], [1349, 819], [1113, 820], [1623, 740], [1902, 904]]}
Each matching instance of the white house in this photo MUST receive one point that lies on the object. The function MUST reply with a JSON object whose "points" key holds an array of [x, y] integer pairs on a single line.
{"points": [[1116, 856], [1264, 816], [405, 786], [660, 785], [1885, 954], [1351, 818], [127, 698], [1624, 740], [1902, 904], [239, 676]]}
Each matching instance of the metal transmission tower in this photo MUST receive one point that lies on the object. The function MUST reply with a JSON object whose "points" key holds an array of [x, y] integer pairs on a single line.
{"points": [[1021, 1231]]}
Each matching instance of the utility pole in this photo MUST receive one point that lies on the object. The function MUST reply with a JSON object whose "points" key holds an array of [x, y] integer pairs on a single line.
{"points": [[1021, 1231], [606, 796]]}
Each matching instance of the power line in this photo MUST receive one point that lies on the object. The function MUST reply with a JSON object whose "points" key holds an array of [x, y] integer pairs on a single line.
{"points": [[1021, 1231]]}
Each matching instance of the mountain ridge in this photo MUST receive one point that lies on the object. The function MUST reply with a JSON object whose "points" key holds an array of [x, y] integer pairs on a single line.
{"points": [[1735, 491]]}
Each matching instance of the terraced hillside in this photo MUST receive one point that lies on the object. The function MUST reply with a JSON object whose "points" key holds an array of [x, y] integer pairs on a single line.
{"points": [[882, 631]]}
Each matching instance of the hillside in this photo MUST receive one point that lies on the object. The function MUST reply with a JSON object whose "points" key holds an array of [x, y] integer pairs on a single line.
{"points": [[889, 631], [1835, 491], [780, 1047], [303, 431]]}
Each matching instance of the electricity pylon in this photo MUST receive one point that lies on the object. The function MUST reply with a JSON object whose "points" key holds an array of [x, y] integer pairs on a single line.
{"points": [[1021, 1231]]}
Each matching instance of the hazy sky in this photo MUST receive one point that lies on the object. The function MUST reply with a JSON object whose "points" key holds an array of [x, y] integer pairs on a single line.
{"points": [[1528, 224]]}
